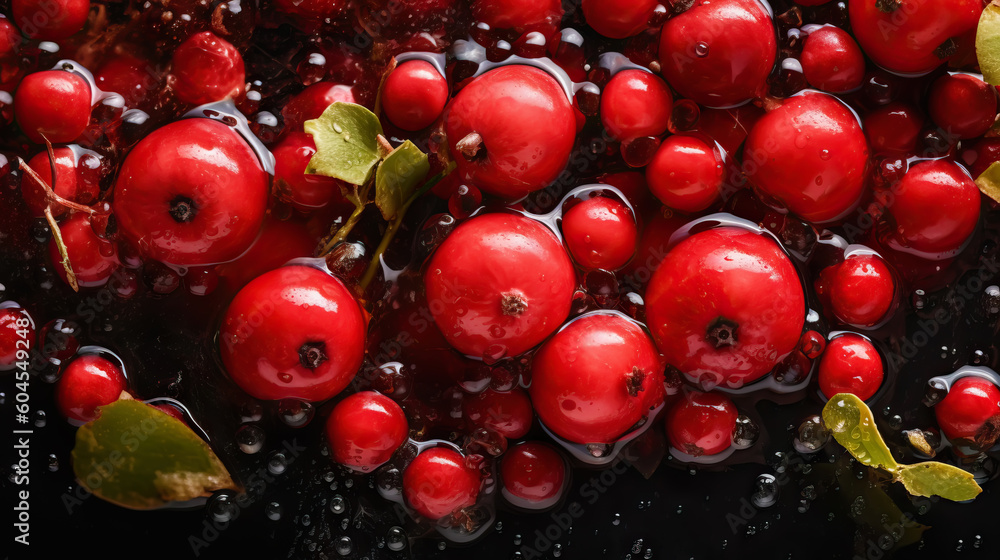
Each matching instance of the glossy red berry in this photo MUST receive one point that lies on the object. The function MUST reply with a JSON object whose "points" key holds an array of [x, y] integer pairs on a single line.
{"points": [[970, 402], [719, 53], [92, 258], [128, 76], [302, 190], [311, 102], [635, 104], [725, 306], [207, 68], [520, 15], [862, 290], [596, 378], [499, 283], [438, 483], [963, 105], [832, 61], [893, 128], [89, 381], [54, 104], [293, 333], [850, 364], [10, 38], [494, 134], [617, 19], [509, 413], [365, 429], [702, 423], [809, 154], [192, 193], [278, 243], [50, 20], [414, 95], [69, 184], [686, 173], [600, 232], [533, 475], [17, 336]]}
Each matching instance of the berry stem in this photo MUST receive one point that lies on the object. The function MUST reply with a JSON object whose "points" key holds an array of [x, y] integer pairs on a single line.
{"points": [[360, 201], [381, 85], [61, 246], [470, 146]]}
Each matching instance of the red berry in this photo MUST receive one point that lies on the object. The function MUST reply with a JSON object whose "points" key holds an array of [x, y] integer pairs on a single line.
{"points": [[533, 475], [850, 364], [725, 306], [192, 193], [494, 132], [719, 53], [686, 173], [10, 38], [970, 402], [893, 128], [632, 184], [128, 76], [509, 414], [278, 243], [50, 20], [414, 95], [862, 290], [365, 429], [89, 381], [963, 105], [982, 155], [635, 104], [653, 245], [302, 190], [310, 103], [91, 258], [499, 282], [832, 61], [207, 68], [600, 232], [438, 483], [811, 155], [702, 423], [293, 333], [619, 19], [596, 378], [17, 334], [52, 103], [69, 183], [520, 15]]}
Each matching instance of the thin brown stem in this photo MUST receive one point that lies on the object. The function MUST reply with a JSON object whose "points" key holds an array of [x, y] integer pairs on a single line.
{"points": [[61, 246], [50, 195], [360, 200]]}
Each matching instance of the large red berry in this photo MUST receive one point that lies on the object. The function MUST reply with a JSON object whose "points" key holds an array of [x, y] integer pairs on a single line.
{"points": [[91, 258], [725, 306], [970, 402], [520, 15], [192, 193], [635, 104], [278, 243], [702, 423], [54, 104], [809, 154], [533, 475], [719, 53], [365, 429], [207, 68], [850, 364], [893, 128], [293, 333], [618, 19], [596, 378], [414, 95], [17, 336], [50, 20], [963, 105], [311, 102], [89, 381], [832, 61], [509, 414], [862, 290], [69, 183], [494, 131], [600, 232], [438, 483], [686, 173], [303, 191], [499, 282]]}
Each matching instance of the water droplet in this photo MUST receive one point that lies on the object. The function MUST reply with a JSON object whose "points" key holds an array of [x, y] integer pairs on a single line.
{"points": [[250, 439], [277, 463], [396, 539], [701, 49], [295, 413], [337, 128], [338, 505], [40, 418], [824, 154], [617, 520], [557, 550], [273, 511], [53, 462], [766, 491], [344, 546], [221, 507]]}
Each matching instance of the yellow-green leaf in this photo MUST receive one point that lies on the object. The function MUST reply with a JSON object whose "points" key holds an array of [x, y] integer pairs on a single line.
{"points": [[346, 145], [139, 457], [988, 44], [989, 181], [853, 426], [398, 177], [938, 479]]}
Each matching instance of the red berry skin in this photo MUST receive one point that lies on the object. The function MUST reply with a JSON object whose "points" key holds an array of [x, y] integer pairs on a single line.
{"points": [[862, 290], [811, 156], [198, 165], [505, 106], [499, 281], [438, 483], [89, 381], [310, 103], [963, 105], [520, 15], [509, 414], [50, 21], [850, 364], [702, 423], [302, 190], [365, 429], [736, 39], [600, 233], [414, 95], [52, 103], [635, 104], [10, 38], [832, 61], [17, 332], [686, 174], [893, 128], [982, 155], [207, 68], [618, 19], [68, 184], [596, 378], [293, 333], [725, 277], [910, 38], [935, 210], [92, 258], [278, 243], [728, 127], [970, 402], [533, 475], [128, 76]]}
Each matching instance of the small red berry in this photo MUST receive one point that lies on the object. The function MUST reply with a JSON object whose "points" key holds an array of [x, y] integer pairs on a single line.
{"points": [[50, 20], [509, 414], [617, 19], [91, 258], [520, 15], [600, 232], [302, 190], [54, 104], [832, 61], [17, 334], [963, 105], [533, 475], [365, 429], [686, 173], [310, 103], [414, 95], [89, 381], [438, 483], [206, 69], [862, 290], [69, 183], [850, 364], [10, 38], [131, 77], [635, 104], [970, 402], [893, 128], [702, 423]]}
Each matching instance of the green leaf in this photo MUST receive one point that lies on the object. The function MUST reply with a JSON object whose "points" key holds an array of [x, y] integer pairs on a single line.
{"points": [[938, 479], [853, 426], [398, 177], [346, 145], [989, 181], [139, 457], [988, 44]]}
